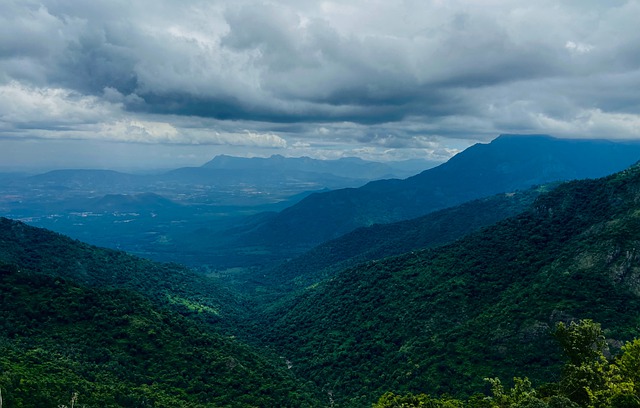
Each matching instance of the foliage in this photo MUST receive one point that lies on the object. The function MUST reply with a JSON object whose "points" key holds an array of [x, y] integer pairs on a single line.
{"points": [[47, 252], [391, 400], [440, 320], [113, 347], [589, 379], [581, 343], [385, 240], [122, 331], [629, 362]]}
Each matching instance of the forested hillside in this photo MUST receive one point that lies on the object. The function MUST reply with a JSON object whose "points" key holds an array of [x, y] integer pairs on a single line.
{"points": [[319, 204], [438, 321], [172, 285], [119, 330], [86, 325], [590, 377], [63, 343], [384, 240]]}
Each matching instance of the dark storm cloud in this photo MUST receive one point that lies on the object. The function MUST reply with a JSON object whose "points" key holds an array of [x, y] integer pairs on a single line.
{"points": [[399, 74]]}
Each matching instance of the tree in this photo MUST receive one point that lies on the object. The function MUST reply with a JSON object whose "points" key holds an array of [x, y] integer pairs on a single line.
{"points": [[589, 379], [581, 342], [391, 400], [629, 362]]}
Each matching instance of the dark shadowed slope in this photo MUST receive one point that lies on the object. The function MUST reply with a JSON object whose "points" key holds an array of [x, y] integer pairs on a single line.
{"points": [[44, 251], [506, 164], [384, 240]]}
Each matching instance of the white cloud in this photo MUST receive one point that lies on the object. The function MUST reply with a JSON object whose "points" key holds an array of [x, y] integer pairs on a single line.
{"points": [[140, 132], [578, 48], [262, 139], [160, 132], [287, 74], [57, 113], [594, 123], [24, 106]]}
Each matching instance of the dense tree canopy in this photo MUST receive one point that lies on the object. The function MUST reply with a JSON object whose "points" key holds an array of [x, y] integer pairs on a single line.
{"points": [[588, 379], [115, 348]]}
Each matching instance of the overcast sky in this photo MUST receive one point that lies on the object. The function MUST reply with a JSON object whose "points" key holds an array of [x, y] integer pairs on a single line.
{"points": [[163, 83]]}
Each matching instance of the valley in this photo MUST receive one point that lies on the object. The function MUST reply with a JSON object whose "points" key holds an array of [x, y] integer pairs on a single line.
{"points": [[155, 215], [356, 294], [319, 204]]}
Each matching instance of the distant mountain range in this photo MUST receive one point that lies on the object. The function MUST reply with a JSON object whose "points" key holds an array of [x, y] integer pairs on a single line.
{"points": [[348, 167], [255, 212], [143, 213], [276, 175], [438, 321], [508, 163], [225, 181]]}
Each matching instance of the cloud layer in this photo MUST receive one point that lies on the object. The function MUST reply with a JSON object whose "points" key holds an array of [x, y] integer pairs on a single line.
{"points": [[398, 77]]}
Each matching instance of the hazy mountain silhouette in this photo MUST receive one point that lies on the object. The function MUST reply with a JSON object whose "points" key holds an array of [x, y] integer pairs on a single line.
{"points": [[508, 163]]}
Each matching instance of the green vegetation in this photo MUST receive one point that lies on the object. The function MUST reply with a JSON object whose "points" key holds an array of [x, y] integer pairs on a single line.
{"points": [[171, 285], [441, 320], [508, 163], [119, 330], [80, 325], [112, 347], [588, 379], [384, 240]]}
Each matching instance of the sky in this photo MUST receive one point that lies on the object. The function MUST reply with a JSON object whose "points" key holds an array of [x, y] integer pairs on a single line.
{"points": [[168, 83]]}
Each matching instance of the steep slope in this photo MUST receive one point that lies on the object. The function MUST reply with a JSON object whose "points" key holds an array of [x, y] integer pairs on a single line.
{"points": [[440, 320], [117, 328], [506, 164], [60, 341], [44, 251], [384, 240]]}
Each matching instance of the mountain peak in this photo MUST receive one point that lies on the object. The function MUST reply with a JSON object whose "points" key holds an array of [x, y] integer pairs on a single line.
{"points": [[509, 163], [534, 136]]}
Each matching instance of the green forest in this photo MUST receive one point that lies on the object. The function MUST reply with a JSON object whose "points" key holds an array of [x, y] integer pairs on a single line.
{"points": [[112, 347], [504, 316], [441, 320], [587, 379]]}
